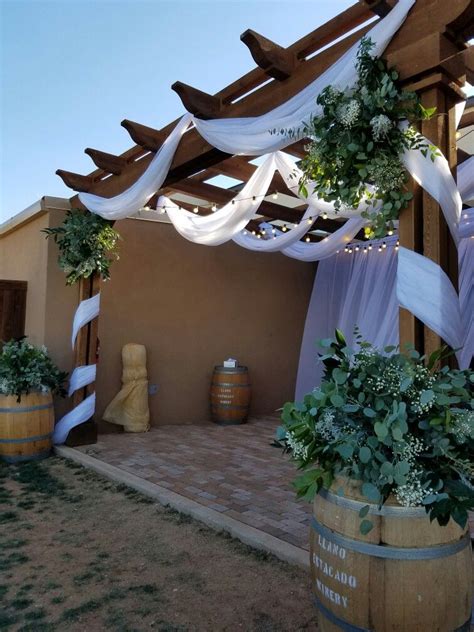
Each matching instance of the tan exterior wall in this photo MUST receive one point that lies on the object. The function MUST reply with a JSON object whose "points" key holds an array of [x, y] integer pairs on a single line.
{"points": [[23, 257], [192, 306], [26, 255]]}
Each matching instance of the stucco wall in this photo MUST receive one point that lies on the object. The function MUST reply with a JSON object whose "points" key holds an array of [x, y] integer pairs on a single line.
{"points": [[192, 306], [26, 255], [23, 257]]}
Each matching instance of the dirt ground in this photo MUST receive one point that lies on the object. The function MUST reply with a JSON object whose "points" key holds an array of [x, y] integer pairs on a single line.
{"points": [[78, 552]]}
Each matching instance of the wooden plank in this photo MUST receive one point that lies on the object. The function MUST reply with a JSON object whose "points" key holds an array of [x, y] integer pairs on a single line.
{"points": [[274, 60], [13, 295]]}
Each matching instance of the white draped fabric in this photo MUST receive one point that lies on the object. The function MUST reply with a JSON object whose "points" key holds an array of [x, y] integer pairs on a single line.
{"points": [[82, 376], [251, 135], [83, 412], [86, 311], [349, 290], [425, 290], [466, 299], [360, 289], [135, 197]]}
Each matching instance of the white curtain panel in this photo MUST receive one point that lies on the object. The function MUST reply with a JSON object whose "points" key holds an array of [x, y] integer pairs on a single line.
{"points": [[349, 290]]}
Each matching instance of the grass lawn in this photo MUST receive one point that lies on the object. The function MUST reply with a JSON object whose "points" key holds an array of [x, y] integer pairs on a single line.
{"points": [[78, 552]]}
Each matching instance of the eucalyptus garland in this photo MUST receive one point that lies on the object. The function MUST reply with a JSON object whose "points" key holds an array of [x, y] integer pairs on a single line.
{"points": [[397, 423], [87, 244], [354, 156]]}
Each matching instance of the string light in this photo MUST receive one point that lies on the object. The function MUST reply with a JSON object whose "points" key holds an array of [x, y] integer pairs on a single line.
{"points": [[195, 209], [307, 239], [263, 231], [357, 248], [346, 249], [365, 250], [284, 228], [254, 199], [370, 246], [244, 232], [295, 225], [254, 233], [259, 236], [390, 233], [213, 208], [384, 245], [275, 195], [324, 215], [380, 248], [310, 220], [147, 208]]}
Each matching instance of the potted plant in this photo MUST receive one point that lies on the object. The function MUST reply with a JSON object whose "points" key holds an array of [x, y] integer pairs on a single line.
{"points": [[28, 380], [386, 445]]}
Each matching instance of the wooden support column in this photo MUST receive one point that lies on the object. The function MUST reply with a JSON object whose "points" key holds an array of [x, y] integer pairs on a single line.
{"points": [[423, 228], [85, 352], [438, 244]]}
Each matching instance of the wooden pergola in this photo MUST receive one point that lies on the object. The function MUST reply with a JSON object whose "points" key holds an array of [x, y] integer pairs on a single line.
{"points": [[433, 57]]}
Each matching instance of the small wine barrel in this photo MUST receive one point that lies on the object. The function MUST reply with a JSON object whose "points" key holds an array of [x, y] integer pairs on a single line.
{"points": [[230, 395], [26, 427], [406, 574]]}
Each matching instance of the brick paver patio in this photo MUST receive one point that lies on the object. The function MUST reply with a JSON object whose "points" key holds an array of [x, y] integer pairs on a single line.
{"points": [[231, 469]]}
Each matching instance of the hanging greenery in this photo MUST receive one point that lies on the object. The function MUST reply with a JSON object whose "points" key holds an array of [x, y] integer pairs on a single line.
{"points": [[395, 422], [87, 245], [356, 143]]}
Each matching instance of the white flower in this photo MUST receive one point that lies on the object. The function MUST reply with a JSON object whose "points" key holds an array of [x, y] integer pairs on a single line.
{"points": [[326, 427], [348, 113], [413, 492], [463, 426], [300, 451], [381, 125]]}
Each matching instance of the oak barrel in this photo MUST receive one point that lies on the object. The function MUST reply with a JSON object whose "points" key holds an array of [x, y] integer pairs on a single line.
{"points": [[26, 427], [406, 574], [230, 395]]}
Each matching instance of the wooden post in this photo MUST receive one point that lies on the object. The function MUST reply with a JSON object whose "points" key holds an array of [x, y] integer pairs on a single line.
{"points": [[85, 353], [423, 228], [438, 244]]}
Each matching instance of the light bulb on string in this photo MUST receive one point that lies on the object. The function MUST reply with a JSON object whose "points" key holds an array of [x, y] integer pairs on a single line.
{"points": [[346, 249], [365, 250], [259, 236], [310, 220], [295, 225], [357, 248], [214, 208], [384, 245], [263, 231], [254, 199], [324, 215], [146, 208], [380, 248], [284, 228], [195, 209], [275, 195], [254, 233], [370, 246], [308, 239]]}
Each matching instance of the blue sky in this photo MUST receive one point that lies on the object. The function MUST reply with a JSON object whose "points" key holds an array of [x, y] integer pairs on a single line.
{"points": [[73, 69]]}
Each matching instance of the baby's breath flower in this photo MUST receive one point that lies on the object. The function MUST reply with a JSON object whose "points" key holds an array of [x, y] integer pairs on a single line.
{"points": [[348, 113], [299, 450], [381, 126]]}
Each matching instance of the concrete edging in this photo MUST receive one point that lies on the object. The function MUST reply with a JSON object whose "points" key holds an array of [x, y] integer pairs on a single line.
{"points": [[213, 519]]}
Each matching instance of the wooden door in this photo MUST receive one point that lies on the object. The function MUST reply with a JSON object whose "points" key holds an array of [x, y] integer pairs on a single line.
{"points": [[12, 309]]}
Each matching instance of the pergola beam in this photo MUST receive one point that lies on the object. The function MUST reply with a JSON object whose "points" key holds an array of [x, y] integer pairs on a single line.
{"points": [[274, 60], [199, 103], [145, 136], [107, 162]]}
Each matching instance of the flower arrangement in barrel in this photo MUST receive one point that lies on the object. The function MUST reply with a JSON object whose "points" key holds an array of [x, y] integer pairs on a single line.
{"points": [[399, 423], [25, 368], [354, 157]]}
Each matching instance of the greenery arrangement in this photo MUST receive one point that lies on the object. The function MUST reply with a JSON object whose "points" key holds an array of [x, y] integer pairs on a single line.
{"points": [[398, 423], [87, 244], [354, 156], [25, 368]]}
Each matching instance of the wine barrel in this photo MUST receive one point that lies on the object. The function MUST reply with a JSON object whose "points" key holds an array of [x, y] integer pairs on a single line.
{"points": [[26, 427], [230, 395], [407, 574]]}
